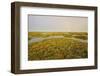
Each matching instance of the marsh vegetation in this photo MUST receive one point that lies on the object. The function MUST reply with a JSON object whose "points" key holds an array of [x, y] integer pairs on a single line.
{"points": [[57, 45]]}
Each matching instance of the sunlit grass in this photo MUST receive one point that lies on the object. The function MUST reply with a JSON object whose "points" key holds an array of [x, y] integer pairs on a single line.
{"points": [[57, 48]]}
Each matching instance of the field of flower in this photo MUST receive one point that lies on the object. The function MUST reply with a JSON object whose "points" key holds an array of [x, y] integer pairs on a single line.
{"points": [[57, 45]]}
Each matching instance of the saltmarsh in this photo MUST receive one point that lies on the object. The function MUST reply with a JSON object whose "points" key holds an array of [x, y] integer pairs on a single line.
{"points": [[64, 45]]}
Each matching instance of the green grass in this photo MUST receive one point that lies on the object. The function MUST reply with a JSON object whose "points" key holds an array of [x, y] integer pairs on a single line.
{"points": [[57, 48]]}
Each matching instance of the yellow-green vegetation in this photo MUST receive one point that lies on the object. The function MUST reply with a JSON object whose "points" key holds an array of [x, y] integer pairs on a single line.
{"points": [[57, 45]]}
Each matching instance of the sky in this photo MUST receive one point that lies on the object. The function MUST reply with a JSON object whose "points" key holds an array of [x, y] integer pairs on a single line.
{"points": [[43, 23]]}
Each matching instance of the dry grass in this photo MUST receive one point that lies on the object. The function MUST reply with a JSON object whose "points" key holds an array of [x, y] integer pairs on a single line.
{"points": [[57, 48]]}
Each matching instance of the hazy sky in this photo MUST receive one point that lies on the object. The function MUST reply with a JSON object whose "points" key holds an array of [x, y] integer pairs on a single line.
{"points": [[40, 23]]}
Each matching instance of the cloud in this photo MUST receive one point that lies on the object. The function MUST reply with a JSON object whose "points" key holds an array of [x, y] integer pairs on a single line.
{"points": [[41, 23]]}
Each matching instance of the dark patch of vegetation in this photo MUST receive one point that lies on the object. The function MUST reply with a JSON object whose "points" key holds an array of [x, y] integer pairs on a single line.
{"points": [[84, 37]]}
